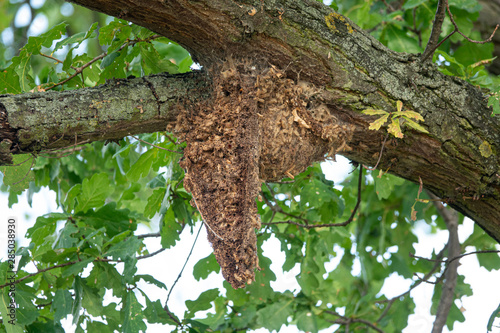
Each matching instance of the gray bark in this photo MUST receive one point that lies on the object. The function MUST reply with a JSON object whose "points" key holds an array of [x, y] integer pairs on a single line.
{"points": [[356, 72]]}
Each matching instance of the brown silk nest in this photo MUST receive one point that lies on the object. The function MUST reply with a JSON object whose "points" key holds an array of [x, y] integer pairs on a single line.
{"points": [[259, 126]]}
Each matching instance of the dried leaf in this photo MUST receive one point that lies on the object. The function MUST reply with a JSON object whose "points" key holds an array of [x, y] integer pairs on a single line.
{"points": [[413, 214], [420, 187]]}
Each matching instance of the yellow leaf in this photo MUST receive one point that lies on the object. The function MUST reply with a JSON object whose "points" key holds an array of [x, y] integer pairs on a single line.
{"points": [[399, 105], [485, 149], [410, 114], [372, 112], [378, 123], [416, 126], [395, 129]]}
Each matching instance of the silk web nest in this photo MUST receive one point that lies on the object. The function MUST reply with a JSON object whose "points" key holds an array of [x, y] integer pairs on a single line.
{"points": [[259, 126]]}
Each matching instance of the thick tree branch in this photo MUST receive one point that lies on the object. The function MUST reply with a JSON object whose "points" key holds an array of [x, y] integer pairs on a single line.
{"points": [[49, 120], [354, 71]]}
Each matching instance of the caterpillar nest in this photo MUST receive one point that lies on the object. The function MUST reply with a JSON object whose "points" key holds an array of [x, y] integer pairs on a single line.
{"points": [[260, 125]]}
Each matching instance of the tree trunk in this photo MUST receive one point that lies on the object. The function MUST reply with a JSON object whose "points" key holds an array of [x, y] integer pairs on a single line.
{"points": [[457, 160]]}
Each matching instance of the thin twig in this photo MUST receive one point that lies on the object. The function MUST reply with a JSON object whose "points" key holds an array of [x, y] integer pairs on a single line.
{"points": [[432, 47], [151, 254], [311, 226], [152, 145], [80, 69], [72, 263], [379, 155], [348, 320], [182, 270], [416, 284], [463, 35], [155, 234]]}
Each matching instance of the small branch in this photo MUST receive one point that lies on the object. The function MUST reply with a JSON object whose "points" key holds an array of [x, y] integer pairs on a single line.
{"points": [[379, 155], [450, 274], [155, 234], [182, 270], [432, 44], [80, 69], [347, 320], [72, 263], [151, 254], [415, 285], [463, 35], [311, 226]]}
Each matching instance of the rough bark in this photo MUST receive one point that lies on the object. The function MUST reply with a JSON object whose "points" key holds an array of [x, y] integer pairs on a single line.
{"points": [[311, 43], [50, 120]]}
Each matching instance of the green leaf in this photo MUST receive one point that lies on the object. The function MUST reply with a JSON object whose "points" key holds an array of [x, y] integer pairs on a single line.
{"points": [[413, 3], [275, 315], [170, 230], [62, 304], [77, 38], [202, 303], [115, 221], [9, 82], [154, 202], [205, 266], [77, 299], [306, 322], [142, 167], [76, 268], [133, 316], [399, 41], [65, 239], [94, 192], [108, 59], [494, 103], [490, 261], [92, 300], [124, 249], [153, 63], [151, 280], [8, 312], [385, 184], [19, 175]]}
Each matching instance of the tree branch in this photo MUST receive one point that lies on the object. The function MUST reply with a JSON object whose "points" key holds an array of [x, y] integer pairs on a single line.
{"points": [[450, 276], [72, 263], [347, 320], [432, 44]]}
